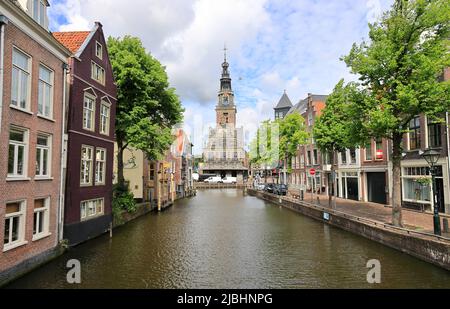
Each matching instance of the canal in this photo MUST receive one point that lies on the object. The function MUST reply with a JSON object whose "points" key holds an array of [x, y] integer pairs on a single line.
{"points": [[225, 239]]}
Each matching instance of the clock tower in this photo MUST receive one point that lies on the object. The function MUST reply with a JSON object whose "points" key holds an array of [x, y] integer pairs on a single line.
{"points": [[226, 109]]}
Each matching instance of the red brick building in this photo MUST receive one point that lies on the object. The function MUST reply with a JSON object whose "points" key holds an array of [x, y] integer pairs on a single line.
{"points": [[32, 84], [309, 156], [90, 130]]}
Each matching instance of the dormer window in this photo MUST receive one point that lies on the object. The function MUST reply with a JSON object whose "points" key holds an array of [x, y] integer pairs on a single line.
{"points": [[99, 50], [39, 12]]}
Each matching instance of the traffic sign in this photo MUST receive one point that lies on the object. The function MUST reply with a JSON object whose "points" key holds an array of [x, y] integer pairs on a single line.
{"points": [[312, 172]]}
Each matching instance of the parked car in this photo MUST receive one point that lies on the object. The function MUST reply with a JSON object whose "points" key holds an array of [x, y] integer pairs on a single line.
{"points": [[280, 189], [203, 177], [213, 179], [269, 188], [260, 186], [229, 180]]}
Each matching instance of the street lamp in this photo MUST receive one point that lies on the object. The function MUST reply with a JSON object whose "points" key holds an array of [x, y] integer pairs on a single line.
{"points": [[432, 158]]}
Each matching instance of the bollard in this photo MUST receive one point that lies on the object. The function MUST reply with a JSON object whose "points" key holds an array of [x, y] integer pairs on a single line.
{"points": [[318, 201], [302, 195], [445, 229]]}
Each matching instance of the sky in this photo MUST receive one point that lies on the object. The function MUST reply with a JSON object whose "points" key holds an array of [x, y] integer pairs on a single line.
{"points": [[273, 45]]}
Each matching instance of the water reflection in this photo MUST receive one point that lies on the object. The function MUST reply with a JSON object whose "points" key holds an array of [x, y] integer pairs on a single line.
{"points": [[225, 239]]}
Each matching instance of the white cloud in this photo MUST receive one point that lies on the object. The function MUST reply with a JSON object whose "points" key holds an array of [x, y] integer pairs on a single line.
{"points": [[273, 45]]}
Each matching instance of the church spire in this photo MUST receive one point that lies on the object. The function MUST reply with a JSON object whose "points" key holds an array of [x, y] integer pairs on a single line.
{"points": [[225, 81]]}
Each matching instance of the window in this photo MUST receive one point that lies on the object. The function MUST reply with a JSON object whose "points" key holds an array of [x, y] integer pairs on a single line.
{"points": [[89, 113], [86, 165], [45, 97], [14, 224], [17, 154], [152, 172], [99, 50], [414, 189], [100, 166], [43, 153], [315, 156], [21, 82], [98, 73], [379, 149], [344, 157], [414, 134], [368, 152], [41, 218], [434, 134], [308, 162], [353, 156], [91, 209], [104, 118], [39, 10]]}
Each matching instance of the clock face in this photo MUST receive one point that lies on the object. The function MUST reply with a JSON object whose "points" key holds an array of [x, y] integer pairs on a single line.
{"points": [[225, 101]]}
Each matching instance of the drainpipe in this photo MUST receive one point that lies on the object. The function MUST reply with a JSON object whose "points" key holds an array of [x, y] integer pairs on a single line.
{"points": [[3, 23], [62, 156]]}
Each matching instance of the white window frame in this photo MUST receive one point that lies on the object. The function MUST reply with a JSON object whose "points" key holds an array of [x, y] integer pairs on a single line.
{"points": [[16, 144], [43, 211], [40, 162], [21, 71], [91, 166], [91, 111], [41, 20], [21, 214], [105, 130], [95, 67], [85, 206], [97, 49], [49, 85], [405, 176], [97, 164]]}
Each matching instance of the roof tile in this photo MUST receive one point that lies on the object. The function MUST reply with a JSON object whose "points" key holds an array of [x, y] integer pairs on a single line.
{"points": [[72, 40]]}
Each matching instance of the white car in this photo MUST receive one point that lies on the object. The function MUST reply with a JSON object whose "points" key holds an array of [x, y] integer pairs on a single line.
{"points": [[213, 180], [260, 186], [229, 180]]}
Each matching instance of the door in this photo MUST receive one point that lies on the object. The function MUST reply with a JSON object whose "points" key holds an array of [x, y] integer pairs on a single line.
{"points": [[352, 188], [440, 194], [376, 188]]}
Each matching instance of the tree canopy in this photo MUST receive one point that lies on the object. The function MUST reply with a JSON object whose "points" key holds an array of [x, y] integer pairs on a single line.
{"points": [[147, 107]]}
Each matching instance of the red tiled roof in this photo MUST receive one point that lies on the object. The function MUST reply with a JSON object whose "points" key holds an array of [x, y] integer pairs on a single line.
{"points": [[72, 40]]}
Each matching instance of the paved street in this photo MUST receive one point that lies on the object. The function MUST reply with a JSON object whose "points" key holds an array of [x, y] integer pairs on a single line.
{"points": [[412, 219]]}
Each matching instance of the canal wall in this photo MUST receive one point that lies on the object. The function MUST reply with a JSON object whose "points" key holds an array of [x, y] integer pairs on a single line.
{"points": [[124, 217], [429, 248], [30, 264]]}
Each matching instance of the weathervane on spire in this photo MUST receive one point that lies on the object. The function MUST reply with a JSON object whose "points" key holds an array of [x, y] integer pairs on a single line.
{"points": [[225, 52]]}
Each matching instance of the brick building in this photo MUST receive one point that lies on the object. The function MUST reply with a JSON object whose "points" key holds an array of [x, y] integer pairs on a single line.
{"points": [[90, 131], [309, 156], [33, 68]]}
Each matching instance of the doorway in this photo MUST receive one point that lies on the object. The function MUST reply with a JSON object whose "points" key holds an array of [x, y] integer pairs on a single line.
{"points": [[376, 188]]}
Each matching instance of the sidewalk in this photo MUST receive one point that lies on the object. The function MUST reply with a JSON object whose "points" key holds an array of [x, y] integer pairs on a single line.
{"points": [[412, 220]]}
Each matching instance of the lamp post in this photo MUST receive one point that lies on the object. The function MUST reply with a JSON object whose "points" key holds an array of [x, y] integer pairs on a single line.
{"points": [[432, 158]]}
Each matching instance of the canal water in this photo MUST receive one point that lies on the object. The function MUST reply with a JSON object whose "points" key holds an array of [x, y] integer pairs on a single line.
{"points": [[226, 239]]}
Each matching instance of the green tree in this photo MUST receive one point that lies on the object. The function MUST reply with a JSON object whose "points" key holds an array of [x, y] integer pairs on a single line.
{"points": [[292, 134], [399, 71], [264, 150], [147, 107], [333, 128]]}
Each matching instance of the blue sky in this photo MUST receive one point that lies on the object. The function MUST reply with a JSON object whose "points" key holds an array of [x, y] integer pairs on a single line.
{"points": [[273, 45]]}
